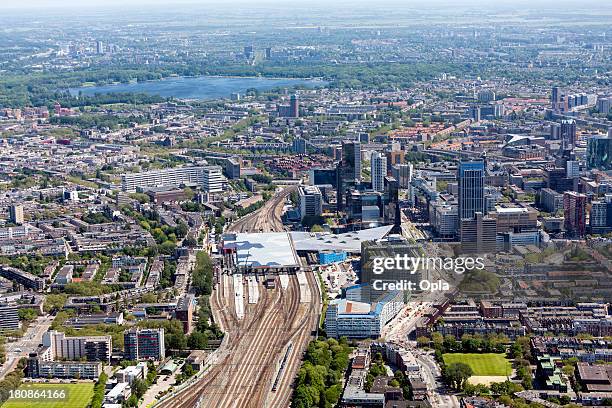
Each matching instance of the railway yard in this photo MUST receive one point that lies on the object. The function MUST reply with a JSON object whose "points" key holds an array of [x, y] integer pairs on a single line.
{"points": [[268, 321]]}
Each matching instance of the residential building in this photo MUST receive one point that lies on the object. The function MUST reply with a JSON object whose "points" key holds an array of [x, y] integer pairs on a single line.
{"points": [[210, 178], [16, 214], [574, 212]]}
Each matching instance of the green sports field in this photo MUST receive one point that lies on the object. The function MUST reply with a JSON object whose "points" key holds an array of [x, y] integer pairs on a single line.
{"points": [[78, 396], [490, 364]]}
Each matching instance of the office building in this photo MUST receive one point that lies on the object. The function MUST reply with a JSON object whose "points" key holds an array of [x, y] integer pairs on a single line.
{"points": [[574, 207], [572, 168], [144, 344], [600, 216], [389, 247], [311, 201], [99, 47], [349, 169], [209, 178], [318, 177], [599, 152], [403, 174], [16, 214], [471, 177], [213, 179], [478, 234], [378, 164], [515, 219], [568, 132], [361, 320]]}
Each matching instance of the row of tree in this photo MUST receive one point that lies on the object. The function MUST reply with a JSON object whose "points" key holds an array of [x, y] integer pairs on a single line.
{"points": [[319, 380]]}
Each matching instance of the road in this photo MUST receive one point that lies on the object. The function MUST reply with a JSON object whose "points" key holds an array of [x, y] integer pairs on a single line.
{"points": [[26, 344], [438, 395]]}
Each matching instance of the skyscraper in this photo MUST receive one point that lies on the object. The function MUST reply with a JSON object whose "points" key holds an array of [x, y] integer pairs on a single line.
{"points": [[378, 166], [599, 152], [349, 169], [568, 132], [471, 177], [574, 208]]}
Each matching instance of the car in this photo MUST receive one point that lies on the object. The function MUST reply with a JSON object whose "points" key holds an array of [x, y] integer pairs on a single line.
{"points": [[18, 350]]}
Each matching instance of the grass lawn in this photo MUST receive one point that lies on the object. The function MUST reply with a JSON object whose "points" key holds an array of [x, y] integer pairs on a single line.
{"points": [[78, 396], [482, 364]]}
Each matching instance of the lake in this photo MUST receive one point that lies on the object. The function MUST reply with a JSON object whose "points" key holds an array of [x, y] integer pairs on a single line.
{"points": [[204, 87]]}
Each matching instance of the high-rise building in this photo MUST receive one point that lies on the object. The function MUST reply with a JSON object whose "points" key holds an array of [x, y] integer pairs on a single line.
{"points": [[568, 132], [248, 51], [572, 168], [378, 164], [93, 348], [471, 177], [390, 247], [311, 201], [478, 234], [574, 207], [294, 106], [299, 145], [599, 217], [99, 47], [16, 214], [144, 344], [212, 179], [599, 152], [268, 53], [403, 174], [486, 95], [349, 169]]}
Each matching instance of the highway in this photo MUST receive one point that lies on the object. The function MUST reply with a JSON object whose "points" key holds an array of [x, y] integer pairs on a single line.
{"points": [[248, 361]]}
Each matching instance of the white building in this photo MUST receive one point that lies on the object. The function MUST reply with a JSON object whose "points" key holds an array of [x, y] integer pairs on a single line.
{"points": [[209, 177], [311, 201], [378, 165], [360, 320]]}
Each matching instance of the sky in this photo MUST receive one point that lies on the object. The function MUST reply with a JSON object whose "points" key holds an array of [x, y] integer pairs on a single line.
{"points": [[29, 4]]}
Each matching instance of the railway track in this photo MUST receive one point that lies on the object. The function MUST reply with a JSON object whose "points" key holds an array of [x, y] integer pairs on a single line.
{"points": [[265, 219], [246, 367]]}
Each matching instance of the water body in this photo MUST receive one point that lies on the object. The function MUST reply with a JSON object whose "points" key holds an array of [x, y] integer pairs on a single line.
{"points": [[204, 87]]}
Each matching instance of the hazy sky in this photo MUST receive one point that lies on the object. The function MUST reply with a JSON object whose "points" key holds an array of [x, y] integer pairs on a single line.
{"points": [[17, 4]]}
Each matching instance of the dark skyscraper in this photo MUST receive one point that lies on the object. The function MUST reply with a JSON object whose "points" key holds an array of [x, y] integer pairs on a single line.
{"points": [[568, 133], [599, 152], [574, 212], [349, 168], [471, 177]]}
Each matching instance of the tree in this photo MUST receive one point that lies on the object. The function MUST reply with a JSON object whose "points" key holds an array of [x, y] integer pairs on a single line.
{"points": [[457, 374], [139, 387], [422, 341]]}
